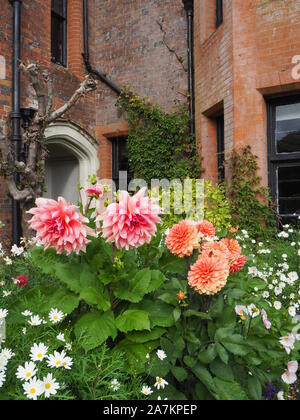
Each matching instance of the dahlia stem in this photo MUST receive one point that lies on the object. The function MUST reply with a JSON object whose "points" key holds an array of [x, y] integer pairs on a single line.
{"points": [[113, 253], [188, 263]]}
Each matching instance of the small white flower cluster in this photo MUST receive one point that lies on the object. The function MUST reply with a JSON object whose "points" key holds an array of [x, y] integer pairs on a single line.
{"points": [[160, 383], [33, 387], [55, 317]]}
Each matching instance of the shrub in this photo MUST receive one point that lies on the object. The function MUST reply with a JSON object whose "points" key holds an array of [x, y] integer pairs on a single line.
{"points": [[250, 204]]}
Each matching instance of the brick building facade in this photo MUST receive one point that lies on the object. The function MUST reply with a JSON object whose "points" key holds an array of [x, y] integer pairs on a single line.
{"points": [[246, 74], [246, 80], [128, 41]]}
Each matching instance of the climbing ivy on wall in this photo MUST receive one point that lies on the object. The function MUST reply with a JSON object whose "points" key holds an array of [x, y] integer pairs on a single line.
{"points": [[250, 203], [159, 143]]}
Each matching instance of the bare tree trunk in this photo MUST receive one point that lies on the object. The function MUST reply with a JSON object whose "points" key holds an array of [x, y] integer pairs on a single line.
{"points": [[32, 169]]}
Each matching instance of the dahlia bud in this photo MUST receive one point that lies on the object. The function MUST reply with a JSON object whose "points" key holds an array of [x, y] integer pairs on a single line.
{"points": [[180, 296]]}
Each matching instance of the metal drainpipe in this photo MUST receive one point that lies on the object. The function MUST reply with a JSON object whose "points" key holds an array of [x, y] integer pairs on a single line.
{"points": [[16, 112], [189, 8], [86, 55]]}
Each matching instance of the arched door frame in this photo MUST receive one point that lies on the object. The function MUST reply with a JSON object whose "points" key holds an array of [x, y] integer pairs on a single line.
{"points": [[68, 136]]}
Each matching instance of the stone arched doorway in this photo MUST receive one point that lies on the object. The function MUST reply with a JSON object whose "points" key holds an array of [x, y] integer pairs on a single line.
{"points": [[72, 158]]}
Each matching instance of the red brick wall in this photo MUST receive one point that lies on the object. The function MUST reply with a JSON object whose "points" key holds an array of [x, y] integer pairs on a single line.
{"points": [[130, 50], [242, 62], [36, 47], [213, 79]]}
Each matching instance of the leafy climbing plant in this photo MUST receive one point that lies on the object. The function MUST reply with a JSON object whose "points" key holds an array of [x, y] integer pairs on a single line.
{"points": [[159, 143]]}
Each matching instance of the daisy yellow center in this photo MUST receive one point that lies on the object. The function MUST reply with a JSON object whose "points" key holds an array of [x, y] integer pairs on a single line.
{"points": [[28, 374], [159, 381], [286, 339], [39, 355], [32, 391], [58, 362], [55, 317], [48, 386]]}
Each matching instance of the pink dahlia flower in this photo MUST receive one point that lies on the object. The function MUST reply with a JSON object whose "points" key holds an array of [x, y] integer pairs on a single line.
{"points": [[95, 191], [59, 225], [132, 221]]}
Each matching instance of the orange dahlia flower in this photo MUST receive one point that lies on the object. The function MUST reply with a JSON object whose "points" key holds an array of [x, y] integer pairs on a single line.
{"points": [[206, 228], [215, 247], [233, 247], [183, 239], [209, 274]]}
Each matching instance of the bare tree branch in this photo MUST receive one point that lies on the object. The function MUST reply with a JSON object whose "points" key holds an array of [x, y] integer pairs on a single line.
{"points": [[88, 85], [180, 59]]}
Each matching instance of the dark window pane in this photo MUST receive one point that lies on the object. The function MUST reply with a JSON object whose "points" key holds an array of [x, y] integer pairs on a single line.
{"points": [[289, 190], [57, 39], [220, 148], [120, 161], [287, 132], [57, 6]]}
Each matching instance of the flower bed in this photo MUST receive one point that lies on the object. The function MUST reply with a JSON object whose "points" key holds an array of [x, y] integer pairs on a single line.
{"points": [[126, 311]]}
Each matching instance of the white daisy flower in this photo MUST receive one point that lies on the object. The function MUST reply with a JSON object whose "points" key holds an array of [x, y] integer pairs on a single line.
{"points": [[67, 363], [50, 386], [161, 354], [3, 363], [61, 337], [56, 316], [27, 372], [35, 321], [160, 383], [56, 360], [68, 346], [280, 396], [38, 352], [277, 305], [7, 354], [33, 389], [146, 390], [253, 311], [27, 313], [115, 385]]}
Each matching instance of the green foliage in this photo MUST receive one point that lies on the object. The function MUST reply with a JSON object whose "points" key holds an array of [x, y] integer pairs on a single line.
{"points": [[250, 204], [125, 303], [159, 143], [214, 206]]}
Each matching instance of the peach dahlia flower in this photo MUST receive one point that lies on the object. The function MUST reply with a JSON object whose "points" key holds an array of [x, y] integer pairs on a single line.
{"points": [[215, 247], [209, 274], [233, 246], [206, 228], [132, 221], [183, 239], [58, 224]]}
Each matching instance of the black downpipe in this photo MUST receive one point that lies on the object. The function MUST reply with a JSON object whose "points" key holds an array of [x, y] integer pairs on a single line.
{"points": [[16, 113], [86, 55], [189, 7]]}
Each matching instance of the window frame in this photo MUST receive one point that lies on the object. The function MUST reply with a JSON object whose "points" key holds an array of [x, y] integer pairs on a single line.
{"points": [[64, 20], [220, 139], [219, 13], [276, 159], [115, 157]]}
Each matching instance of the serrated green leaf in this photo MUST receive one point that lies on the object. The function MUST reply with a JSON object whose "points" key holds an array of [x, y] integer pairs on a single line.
{"points": [[145, 336], [94, 328], [133, 320], [134, 289]]}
